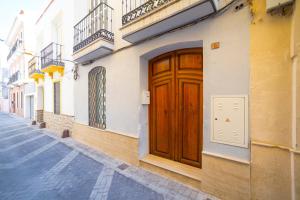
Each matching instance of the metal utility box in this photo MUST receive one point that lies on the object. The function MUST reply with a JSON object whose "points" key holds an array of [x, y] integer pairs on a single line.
{"points": [[229, 120]]}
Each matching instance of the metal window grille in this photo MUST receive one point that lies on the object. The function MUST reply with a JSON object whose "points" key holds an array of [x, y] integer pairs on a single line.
{"points": [[97, 97], [57, 98], [51, 55]]}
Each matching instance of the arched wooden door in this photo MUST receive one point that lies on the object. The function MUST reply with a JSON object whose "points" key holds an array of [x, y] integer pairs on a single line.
{"points": [[176, 106]]}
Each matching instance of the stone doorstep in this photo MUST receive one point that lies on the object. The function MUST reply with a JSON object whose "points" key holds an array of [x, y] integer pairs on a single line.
{"points": [[173, 166]]}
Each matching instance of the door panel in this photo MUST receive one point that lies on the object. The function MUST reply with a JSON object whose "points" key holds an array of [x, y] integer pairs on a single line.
{"points": [[161, 66], [190, 61], [162, 119], [175, 82], [190, 120]]}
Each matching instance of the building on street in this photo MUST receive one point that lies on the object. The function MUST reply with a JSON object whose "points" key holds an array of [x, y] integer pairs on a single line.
{"points": [[51, 66], [4, 103], [20, 40], [203, 92]]}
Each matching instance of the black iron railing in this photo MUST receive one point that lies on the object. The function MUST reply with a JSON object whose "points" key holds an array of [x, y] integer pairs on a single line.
{"points": [[13, 78], [51, 55], [132, 9], [96, 24], [14, 48], [33, 66]]}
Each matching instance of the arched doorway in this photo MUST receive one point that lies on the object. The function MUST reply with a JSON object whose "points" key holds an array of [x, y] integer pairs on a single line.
{"points": [[176, 106]]}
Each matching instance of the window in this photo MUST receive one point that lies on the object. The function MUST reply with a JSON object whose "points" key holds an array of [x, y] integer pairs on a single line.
{"points": [[17, 99], [97, 81], [56, 86]]}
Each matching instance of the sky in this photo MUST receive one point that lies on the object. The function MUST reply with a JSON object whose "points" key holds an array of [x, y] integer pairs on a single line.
{"points": [[8, 11]]}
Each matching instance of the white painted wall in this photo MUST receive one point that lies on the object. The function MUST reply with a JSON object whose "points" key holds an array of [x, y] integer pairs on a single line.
{"points": [[59, 12], [4, 105], [226, 72]]}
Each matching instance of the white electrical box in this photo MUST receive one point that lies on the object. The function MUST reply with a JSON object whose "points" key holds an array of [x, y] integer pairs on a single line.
{"points": [[274, 4], [229, 120], [145, 97]]}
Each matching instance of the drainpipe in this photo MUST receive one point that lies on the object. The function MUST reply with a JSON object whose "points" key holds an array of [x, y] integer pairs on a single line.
{"points": [[294, 58], [294, 123]]}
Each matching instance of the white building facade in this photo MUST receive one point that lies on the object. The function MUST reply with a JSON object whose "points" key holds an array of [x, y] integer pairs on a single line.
{"points": [[51, 66], [164, 85], [153, 80]]}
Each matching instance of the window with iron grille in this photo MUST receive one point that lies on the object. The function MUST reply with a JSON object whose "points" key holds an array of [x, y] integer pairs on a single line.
{"points": [[97, 105], [56, 86]]}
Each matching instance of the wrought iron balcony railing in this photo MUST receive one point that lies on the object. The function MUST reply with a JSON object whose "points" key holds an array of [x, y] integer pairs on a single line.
{"points": [[13, 78], [14, 48], [96, 24], [133, 9], [51, 55], [33, 66]]}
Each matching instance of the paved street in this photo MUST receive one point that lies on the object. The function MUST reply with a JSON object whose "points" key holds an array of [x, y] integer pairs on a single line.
{"points": [[35, 164]]}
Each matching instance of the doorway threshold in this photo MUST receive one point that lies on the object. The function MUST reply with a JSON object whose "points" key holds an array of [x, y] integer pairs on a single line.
{"points": [[173, 166]]}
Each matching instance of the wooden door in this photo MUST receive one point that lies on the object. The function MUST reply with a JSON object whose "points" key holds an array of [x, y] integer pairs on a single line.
{"points": [[162, 70], [14, 103], [175, 81], [189, 86]]}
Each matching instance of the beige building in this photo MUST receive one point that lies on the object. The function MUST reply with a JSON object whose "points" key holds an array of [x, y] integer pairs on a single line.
{"points": [[19, 41]]}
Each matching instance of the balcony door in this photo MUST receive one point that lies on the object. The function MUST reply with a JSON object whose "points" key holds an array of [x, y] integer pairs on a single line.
{"points": [[99, 16], [58, 39], [176, 106]]}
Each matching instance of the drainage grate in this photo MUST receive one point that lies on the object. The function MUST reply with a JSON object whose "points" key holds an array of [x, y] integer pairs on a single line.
{"points": [[123, 166]]}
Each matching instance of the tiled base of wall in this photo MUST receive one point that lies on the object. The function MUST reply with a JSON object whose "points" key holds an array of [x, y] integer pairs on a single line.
{"points": [[58, 123], [221, 177], [271, 173], [39, 116], [116, 145]]}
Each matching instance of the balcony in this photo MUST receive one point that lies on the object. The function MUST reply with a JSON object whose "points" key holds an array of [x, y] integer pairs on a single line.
{"points": [[51, 59], [34, 71], [14, 78], [93, 37], [145, 19], [17, 44]]}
